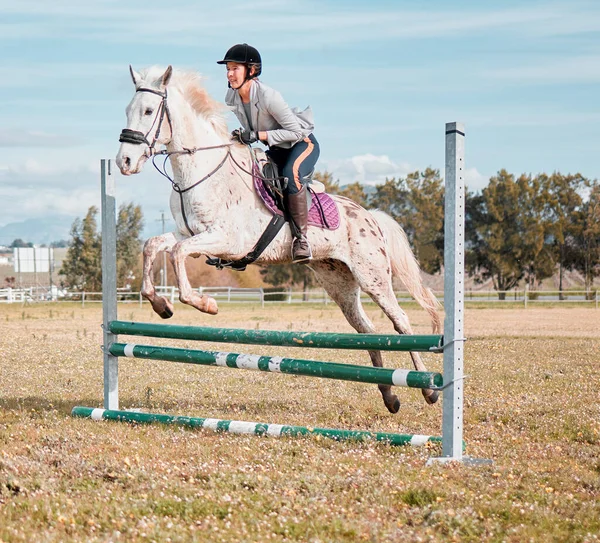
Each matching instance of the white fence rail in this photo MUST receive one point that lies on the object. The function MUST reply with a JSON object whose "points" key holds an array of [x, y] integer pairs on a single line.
{"points": [[272, 296]]}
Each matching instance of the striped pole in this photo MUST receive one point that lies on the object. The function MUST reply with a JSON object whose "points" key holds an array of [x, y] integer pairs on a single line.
{"points": [[277, 364], [256, 428], [321, 340]]}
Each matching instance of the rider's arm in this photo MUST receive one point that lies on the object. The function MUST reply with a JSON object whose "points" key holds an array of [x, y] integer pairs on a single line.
{"points": [[290, 127]]}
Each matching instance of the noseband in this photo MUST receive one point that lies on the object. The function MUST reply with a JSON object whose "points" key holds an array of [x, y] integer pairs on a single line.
{"points": [[136, 137]]}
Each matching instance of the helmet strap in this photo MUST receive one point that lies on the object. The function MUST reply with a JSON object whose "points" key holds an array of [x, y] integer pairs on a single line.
{"points": [[247, 78]]}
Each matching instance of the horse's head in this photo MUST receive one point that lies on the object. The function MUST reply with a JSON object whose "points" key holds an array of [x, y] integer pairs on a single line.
{"points": [[148, 122]]}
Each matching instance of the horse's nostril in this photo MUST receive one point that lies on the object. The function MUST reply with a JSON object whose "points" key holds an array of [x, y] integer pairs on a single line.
{"points": [[127, 161]]}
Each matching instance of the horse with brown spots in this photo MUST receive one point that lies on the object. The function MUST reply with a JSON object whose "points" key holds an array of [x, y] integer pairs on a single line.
{"points": [[223, 216]]}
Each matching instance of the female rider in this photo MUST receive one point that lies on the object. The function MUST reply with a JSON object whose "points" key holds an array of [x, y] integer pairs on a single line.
{"points": [[266, 117]]}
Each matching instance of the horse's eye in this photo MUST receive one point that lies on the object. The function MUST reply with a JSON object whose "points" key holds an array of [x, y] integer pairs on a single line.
{"points": [[148, 112]]}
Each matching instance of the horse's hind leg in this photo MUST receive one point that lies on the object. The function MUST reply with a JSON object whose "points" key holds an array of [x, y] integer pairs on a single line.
{"points": [[381, 292], [342, 287], [152, 247]]}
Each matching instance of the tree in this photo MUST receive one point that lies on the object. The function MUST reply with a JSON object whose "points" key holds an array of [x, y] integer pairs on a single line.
{"points": [[331, 186], [18, 243], [61, 244], [417, 204], [426, 222], [539, 260], [130, 222], [587, 236], [288, 275], [565, 201], [393, 198], [356, 192], [509, 231], [82, 264]]}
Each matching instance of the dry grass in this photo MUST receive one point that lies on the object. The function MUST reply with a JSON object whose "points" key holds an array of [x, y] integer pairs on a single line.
{"points": [[532, 406]]}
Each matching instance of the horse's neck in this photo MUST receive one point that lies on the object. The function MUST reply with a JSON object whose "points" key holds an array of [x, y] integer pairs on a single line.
{"points": [[192, 132]]}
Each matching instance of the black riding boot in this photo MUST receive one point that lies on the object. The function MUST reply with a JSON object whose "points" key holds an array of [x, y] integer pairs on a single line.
{"points": [[298, 208]]}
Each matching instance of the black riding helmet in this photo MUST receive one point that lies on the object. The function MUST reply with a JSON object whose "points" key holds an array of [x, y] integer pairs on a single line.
{"points": [[244, 54]]}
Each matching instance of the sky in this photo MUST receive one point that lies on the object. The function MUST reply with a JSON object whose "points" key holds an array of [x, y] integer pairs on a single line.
{"points": [[382, 76]]}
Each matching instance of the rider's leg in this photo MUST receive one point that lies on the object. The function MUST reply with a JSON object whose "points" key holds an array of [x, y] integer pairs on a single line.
{"points": [[298, 207], [301, 161]]}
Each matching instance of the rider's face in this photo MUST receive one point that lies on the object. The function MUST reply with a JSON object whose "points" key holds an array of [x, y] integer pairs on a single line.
{"points": [[236, 74]]}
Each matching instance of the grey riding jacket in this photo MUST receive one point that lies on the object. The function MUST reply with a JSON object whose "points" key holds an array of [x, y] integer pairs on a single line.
{"points": [[269, 113]]}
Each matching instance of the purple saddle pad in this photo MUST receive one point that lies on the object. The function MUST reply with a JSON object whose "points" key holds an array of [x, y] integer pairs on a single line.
{"points": [[323, 207]]}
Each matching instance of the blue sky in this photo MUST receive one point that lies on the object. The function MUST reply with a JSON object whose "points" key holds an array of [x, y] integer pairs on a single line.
{"points": [[382, 78]]}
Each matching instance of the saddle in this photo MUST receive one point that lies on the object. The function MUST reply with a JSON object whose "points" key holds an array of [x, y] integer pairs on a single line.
{"points": [[323, 212], [270, 186]]}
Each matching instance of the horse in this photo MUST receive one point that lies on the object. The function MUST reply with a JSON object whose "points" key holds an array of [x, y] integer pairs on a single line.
{"points": [[219, 214]]}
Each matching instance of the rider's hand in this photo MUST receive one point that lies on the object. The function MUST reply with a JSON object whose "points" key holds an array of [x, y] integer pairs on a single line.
{"points": [[245, 136]]}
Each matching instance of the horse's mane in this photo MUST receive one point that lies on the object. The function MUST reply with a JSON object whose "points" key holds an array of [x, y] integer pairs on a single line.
{"points": [[189, 83]]}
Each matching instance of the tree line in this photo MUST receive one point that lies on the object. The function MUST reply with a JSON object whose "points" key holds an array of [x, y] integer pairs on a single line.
{"points": [[518, 230]]}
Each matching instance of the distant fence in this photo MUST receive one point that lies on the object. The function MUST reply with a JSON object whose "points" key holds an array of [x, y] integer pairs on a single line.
{"points": [[287, 296]]}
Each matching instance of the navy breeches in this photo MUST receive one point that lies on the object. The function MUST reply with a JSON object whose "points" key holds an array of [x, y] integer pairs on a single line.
{"points": [[297, 162]]}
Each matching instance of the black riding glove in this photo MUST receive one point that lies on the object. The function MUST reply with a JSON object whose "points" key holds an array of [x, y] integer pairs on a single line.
{"points": [[245, 136]]}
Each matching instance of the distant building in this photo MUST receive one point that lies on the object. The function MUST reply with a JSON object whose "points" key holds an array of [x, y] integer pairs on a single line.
{"points": [[27, 272]]}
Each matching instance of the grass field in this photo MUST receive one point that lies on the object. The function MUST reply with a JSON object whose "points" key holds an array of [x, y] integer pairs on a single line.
{"points": [[532, 405]]}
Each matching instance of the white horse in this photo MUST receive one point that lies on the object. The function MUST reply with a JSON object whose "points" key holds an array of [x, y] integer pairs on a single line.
{"points": [[219, 214]]}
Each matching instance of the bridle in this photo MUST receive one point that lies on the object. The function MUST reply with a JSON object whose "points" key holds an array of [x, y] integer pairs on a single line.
{"points": [[136, 137]]}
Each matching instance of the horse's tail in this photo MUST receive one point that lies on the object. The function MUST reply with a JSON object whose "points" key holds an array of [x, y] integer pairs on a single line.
{"points": [[406, 267]]}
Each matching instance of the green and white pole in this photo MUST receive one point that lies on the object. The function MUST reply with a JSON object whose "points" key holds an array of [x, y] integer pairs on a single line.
{"points": [[320, 340], [256, 428], [277, 364]]}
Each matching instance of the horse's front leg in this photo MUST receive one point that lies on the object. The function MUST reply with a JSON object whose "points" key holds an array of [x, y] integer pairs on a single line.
{"points": [[152, 247], [195, 246]]}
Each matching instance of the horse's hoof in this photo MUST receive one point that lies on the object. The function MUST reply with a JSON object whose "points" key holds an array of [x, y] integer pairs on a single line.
{"points": [[166, 313], [395, 407], [211, 307], [431, 398]]}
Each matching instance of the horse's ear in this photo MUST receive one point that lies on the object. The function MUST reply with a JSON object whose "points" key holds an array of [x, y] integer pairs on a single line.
{"points": [[134, 76], [167, 76]]}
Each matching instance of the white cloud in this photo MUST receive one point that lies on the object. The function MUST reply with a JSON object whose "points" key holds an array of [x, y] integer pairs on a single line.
{"points": [[371, 169], [18, 137], [571, 70], [367, 169], [41, 189], [325, 23], [474, 180]]}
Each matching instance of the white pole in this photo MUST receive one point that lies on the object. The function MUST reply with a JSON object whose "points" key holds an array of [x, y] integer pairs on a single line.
{"points": [[109, 283], [454, 288], [454, 265]]}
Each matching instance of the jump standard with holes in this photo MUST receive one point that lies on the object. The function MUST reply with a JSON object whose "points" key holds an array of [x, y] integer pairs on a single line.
{"points": [[450, 344]]}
